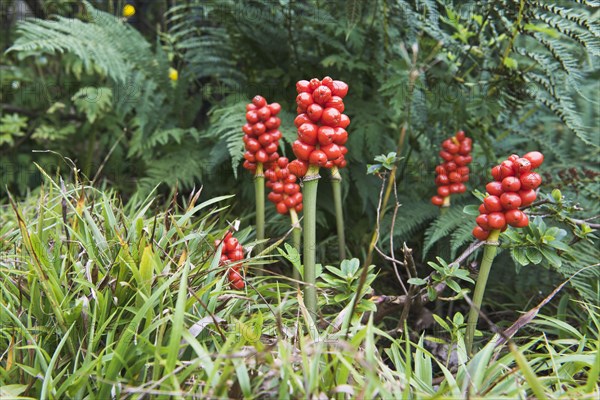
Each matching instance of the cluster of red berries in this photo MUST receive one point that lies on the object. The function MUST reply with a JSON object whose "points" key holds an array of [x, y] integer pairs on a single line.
{"points": [[261, 132], [232, 251], [321, 125], [285, 192], [452, 174], [513, 187]]}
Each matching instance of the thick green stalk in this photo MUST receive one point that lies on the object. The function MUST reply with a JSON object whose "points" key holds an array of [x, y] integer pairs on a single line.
{"points": [[296, 238], [336, 183], [259, 194], [489, 253], [311, 182], [445, 205]]}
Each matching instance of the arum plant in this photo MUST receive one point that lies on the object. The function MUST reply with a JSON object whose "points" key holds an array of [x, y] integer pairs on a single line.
{"points": [[261, 140], [287, 197], [321, 138], [513, 187]]}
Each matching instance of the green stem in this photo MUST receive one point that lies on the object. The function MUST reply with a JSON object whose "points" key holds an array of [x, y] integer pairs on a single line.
{"points": [[336, 183], [296, 238], [311, 182], [259, 194], [489, 253], [445, 205]]}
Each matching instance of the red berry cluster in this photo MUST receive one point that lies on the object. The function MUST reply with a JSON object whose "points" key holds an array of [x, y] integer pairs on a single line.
{"points": [[285, 192], [321, 125], [261, 133], [452, 174], [513, 187], [232, 252]]}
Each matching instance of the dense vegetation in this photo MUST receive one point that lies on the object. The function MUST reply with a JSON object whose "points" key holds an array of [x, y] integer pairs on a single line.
{"points": [[121, 146]]}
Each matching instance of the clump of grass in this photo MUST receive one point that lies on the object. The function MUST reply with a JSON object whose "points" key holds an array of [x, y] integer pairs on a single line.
{"points": [[104, 299]]}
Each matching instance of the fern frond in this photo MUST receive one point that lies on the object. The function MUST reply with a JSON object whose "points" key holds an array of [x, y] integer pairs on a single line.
{"points": [[443, 226]]}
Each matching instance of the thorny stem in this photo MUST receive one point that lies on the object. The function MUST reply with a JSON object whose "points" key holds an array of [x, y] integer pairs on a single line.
{"points": [[311, 182], [489, 253], [336, 183], [259, 194], [296, 238]]}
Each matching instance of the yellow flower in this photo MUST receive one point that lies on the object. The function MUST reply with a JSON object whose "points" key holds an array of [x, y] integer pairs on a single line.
{"points": [[128, 10], [173, 74]]}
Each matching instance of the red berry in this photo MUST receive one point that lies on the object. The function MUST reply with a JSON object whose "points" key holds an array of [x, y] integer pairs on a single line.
{"points": [[275, 197], [330, 117], [443, 191], [304, 100], [446, 156], [454, 177], [523, 165], [507, 168], [514, 217], [497, 173], [344, 121], [494, 188], [301, 119], [277, 187], [332, 151], [272, 123], [340, 136], [259, 101], [531, 180], [339, 89], [511, 184], [337, 103], [282, 162], [527, 196], [307, 133], [250, 107], [298, 167], [314, 112], [303, 86], [440, 170], [252, 145], [252, 117], [496, 220], [482, 209], [325, 135], [535, 158], [231, 244], [275, 108], [236, 255], [482, 221], [264, 113], [322, 95], [437, 200], [318, 157], [302, 150], [247, 128], [460, 136], [281, 208], [480, 233], [524, 222], [492, 204], [510, 200], [314, 83], [291, 188], [271, 148], [442, 180]]}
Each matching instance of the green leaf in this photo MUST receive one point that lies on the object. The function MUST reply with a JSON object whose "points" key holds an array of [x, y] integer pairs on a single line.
{"points": [[519, 254], [94, 102], [417, 281], [533, 255]]}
